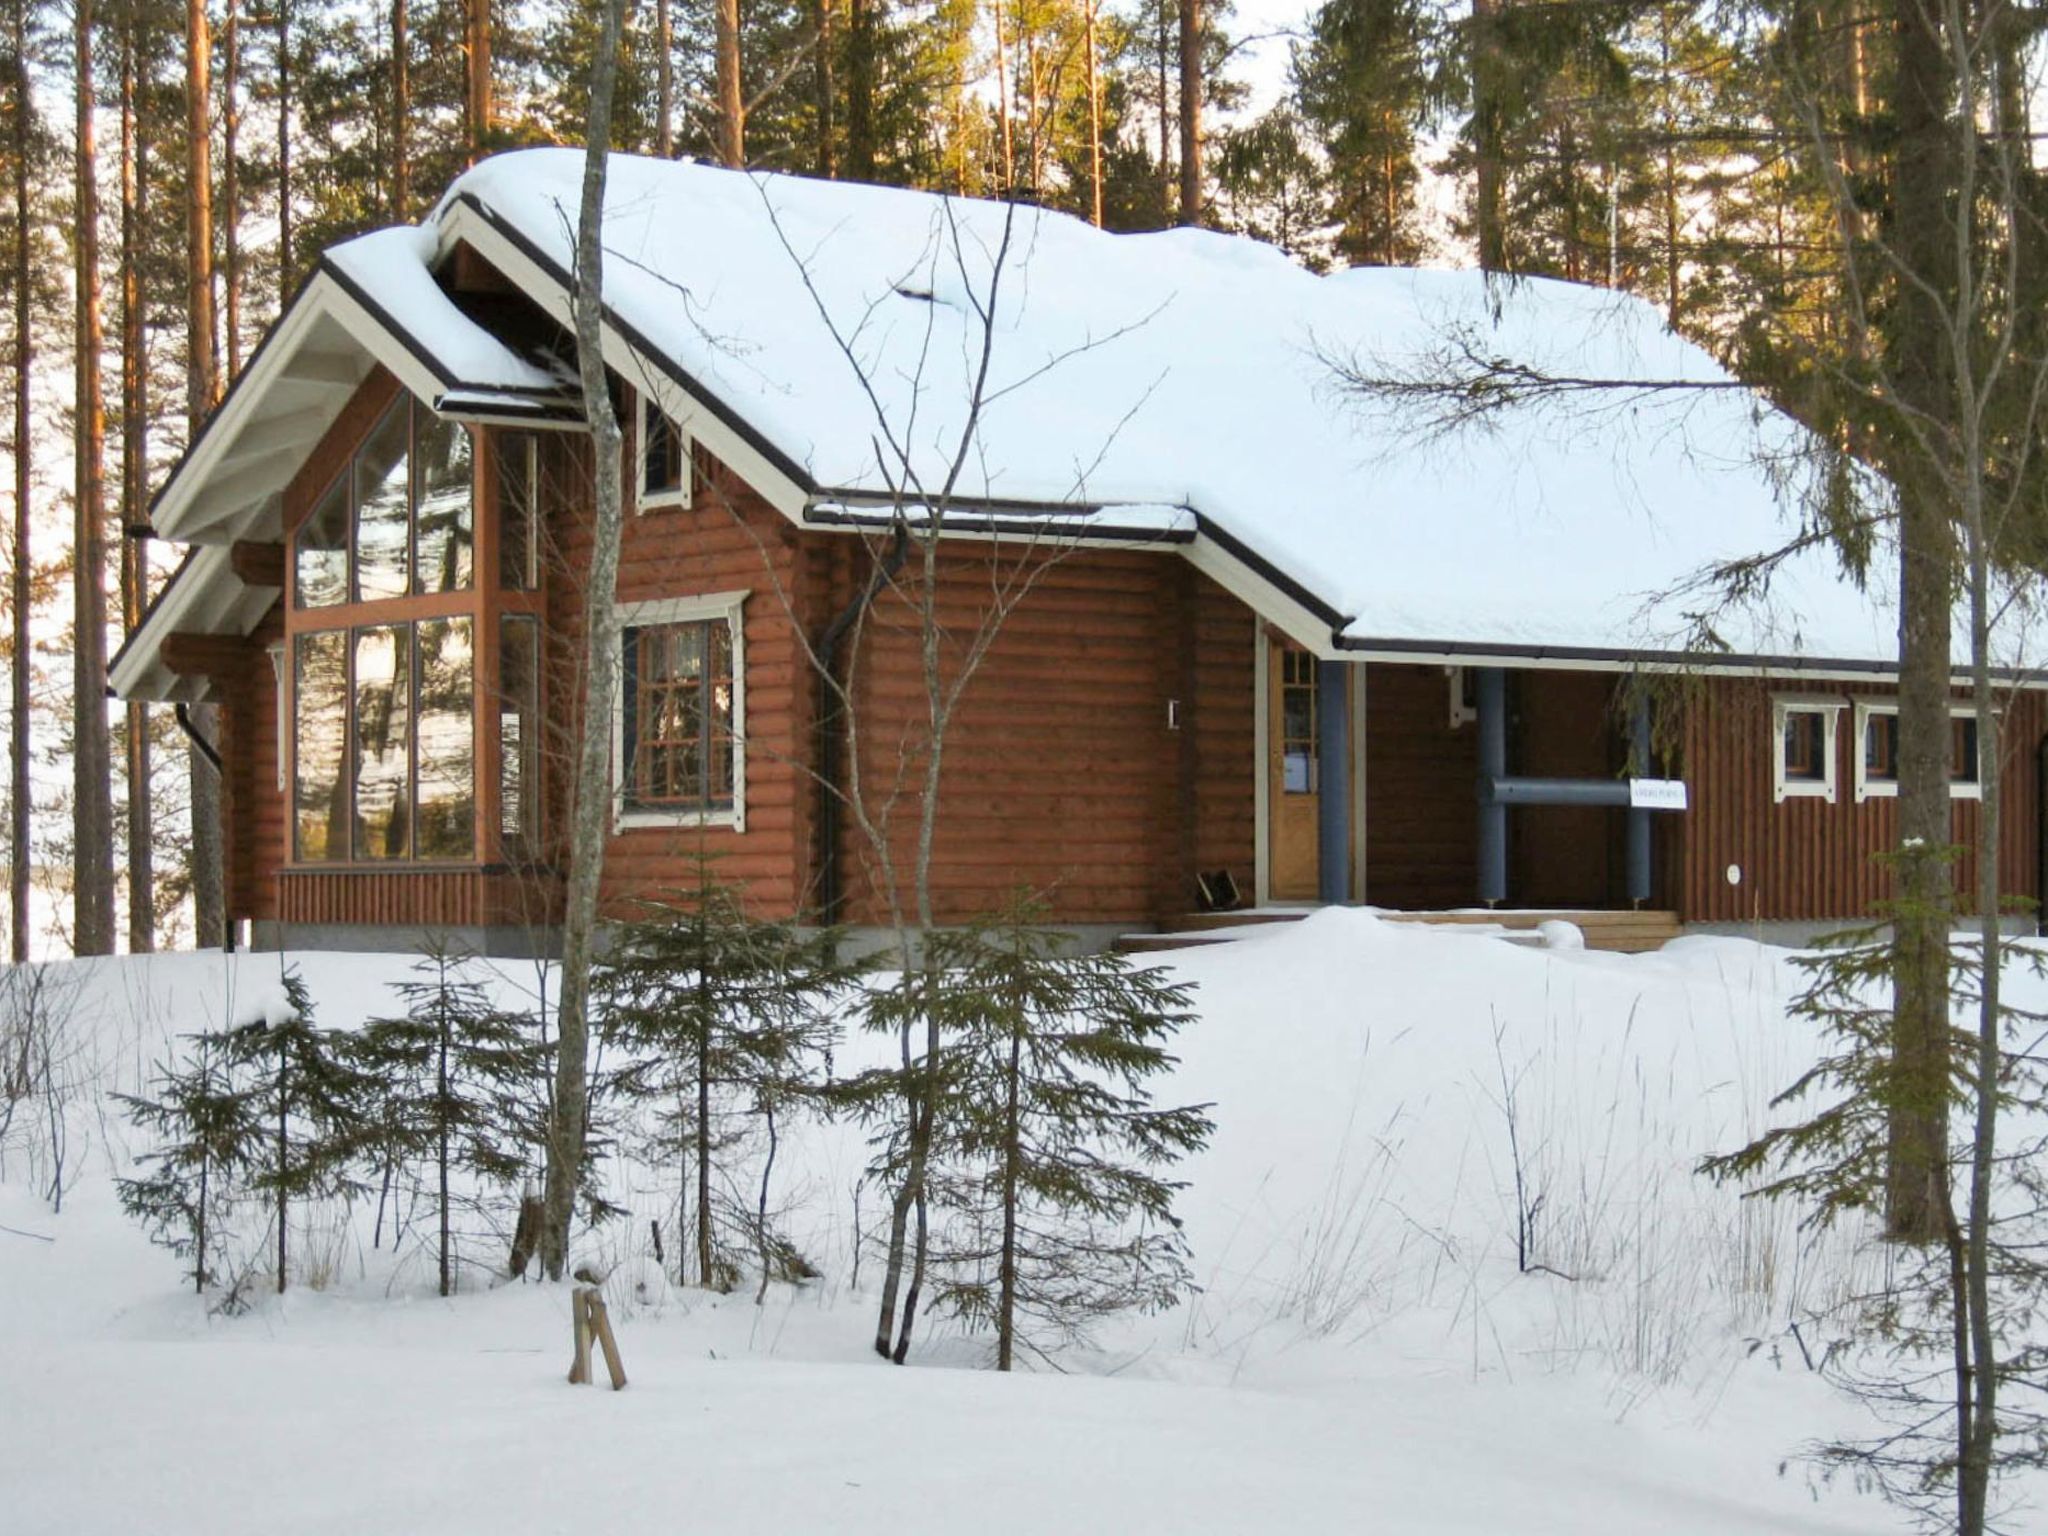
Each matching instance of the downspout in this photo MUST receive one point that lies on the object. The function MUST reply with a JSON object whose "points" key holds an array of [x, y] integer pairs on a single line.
{"points": [[192, 734], [207, 750], [830, 895]]}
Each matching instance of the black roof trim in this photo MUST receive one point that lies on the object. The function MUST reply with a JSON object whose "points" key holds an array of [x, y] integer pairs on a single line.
{"points": [[1702, 661], [983, 517], [191, 554], [1260, 566]]}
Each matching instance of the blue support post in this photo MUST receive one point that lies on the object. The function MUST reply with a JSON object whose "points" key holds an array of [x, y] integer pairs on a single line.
{"points": [[1490, 684], [1333, 788], [1639, 819]]}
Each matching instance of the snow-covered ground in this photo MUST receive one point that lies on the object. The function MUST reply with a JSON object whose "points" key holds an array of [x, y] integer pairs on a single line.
{"points": [[1364, 1353]]}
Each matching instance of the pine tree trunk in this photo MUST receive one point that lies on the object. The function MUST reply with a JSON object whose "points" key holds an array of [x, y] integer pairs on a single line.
{"points": [[664, 80], [231, 185], [732, 109], [1003, 114], [1094, 123], [1162, 57], [441, 1112], [1922, 232], [141, 830], [481, 108], [1006, 1274], [19, 850], [1488, 190], [202, 386], [202, 389], [860, 90], [1190, 112], [706, 1256], [592, 789], [285, 273], [283, 1164], [401, 113], [92, 776], [825, 90]]}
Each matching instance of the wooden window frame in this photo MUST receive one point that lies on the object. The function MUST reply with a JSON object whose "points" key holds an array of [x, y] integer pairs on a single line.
{"points": [[680, 496], [481, 602], [1888, 789], [711, 607], [1783, 786]]}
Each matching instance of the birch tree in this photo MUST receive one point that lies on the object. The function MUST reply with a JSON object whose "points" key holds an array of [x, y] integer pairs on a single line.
{"points": [[591, 793]]}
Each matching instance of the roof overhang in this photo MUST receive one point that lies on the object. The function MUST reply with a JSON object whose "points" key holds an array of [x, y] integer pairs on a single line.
{"points": [[348, 319], [338, 328]]}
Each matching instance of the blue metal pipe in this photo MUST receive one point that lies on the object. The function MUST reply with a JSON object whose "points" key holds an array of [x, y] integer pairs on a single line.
{"points": [[1490, 686], [1639, 818], [1333, 790], [1553, 791]]}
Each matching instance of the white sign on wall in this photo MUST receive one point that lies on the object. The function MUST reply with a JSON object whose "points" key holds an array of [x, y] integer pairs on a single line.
{"points": [[1656, 794]]}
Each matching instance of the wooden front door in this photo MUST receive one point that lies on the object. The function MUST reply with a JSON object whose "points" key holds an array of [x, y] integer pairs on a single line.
{"points": [[1292, 776]]}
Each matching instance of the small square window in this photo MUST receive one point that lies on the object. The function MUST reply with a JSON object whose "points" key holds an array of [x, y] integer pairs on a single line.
{"points": [[1877, 758], [1803, 761], [1963, 778], [1877, 749], [664, 460]]}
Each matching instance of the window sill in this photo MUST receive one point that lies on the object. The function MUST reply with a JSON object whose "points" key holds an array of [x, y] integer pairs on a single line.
{"points": [[663, 501], [1805, 791], [1890, 791], [625, 820]]}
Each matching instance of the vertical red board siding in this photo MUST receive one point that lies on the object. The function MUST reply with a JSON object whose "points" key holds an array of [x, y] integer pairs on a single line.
{"points": [[1421, 838], [1804, 859]]}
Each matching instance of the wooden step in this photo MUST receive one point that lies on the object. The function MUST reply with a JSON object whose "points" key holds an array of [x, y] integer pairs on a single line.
{"points": [[1622, 932]]}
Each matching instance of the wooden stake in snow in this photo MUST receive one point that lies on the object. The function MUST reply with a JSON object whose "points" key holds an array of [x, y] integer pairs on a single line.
{"points": [[588, 1317]]}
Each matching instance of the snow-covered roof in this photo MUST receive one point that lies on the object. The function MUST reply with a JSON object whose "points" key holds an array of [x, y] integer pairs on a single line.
{"points": [[1191, 370], [1175, 388]]}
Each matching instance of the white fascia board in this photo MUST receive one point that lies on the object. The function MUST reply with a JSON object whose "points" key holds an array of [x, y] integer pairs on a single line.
{"points": [[173, 514], [194, 592], [370, 333], [1307, 629], [459, 222]]}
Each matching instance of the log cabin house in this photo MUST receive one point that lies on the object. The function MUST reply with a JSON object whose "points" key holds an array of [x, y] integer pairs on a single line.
{"points": [[1264, 630]]}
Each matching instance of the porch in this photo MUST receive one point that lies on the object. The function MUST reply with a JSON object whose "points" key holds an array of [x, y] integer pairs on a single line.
{"points": [[1438, 789], [1620, 932]]}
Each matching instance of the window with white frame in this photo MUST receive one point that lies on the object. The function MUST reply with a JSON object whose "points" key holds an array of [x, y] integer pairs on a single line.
{"points": [[678, 730], [1804, 761], [1963, 780], [1877, 750], [663, 450]]}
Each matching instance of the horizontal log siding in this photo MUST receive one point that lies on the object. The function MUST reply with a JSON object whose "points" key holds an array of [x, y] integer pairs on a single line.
{"points": [[1061, 776], [1803, 859], [252, 807], [1223, 808], [728, 540]]}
